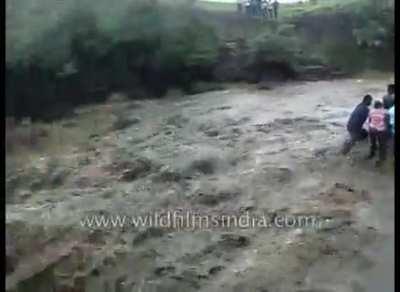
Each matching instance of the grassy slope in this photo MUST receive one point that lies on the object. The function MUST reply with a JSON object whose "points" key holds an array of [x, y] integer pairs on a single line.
{"points": [[232, 25], [27, 19], [289, 10], [225, 18]]}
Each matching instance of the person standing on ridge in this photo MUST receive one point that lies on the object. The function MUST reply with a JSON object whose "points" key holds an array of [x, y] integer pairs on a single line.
{"points": [[270, 10], [264, 8], [275, 5], [247, 6], [240, 6]]}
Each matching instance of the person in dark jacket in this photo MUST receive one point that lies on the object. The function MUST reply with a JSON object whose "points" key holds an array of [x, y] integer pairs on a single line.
{"points": [[355, 124]]}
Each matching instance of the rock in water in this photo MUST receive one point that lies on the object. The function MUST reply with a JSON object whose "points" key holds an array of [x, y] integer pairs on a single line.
{"points": [[122, 123], [136, 169]]}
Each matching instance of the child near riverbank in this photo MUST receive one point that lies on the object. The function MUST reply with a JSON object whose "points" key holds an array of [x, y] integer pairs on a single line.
{"points": [[378, 123]]}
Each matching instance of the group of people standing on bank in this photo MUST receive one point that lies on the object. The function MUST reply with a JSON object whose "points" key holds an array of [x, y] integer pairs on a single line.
{"points": [[377, 124], [266, 8]]}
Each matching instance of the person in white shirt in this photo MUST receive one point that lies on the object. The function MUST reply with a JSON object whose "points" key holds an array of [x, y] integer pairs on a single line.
{"points": [[270, 9], [248, 7], [239, 6], [264, 8]]}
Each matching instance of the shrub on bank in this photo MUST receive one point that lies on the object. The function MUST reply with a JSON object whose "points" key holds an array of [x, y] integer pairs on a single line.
{"points": [[78, 60], [144, 48]]}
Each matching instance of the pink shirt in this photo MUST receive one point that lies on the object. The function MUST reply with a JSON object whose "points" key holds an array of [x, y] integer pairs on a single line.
{"points": [[377, 119]]}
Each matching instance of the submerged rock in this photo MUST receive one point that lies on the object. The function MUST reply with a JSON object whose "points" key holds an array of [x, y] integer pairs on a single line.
{"points": [[58, 177], [135, 169], [211, 133], [178, 121], [167, 174], [164, 270], [22, 196], [148, 233], [215, 197], [234, 240], [279, 174], [204, 166], [122, 123], [216, 269]]}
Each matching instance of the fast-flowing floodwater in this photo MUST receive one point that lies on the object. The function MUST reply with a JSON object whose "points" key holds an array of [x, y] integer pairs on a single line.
{"points": [[235, 151]]}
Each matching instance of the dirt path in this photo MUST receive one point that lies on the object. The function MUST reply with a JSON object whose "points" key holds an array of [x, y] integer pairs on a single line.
{"points": [[271, 153]]}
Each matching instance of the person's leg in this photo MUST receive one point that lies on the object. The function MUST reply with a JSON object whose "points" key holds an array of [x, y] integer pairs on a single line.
{"points": [[349, 143], [373, 141], [394, 148], [363, 134], [389, 143], [382, 140]]}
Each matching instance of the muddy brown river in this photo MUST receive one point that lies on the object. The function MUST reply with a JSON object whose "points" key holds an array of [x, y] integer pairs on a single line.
{"points": [[270, 154]]}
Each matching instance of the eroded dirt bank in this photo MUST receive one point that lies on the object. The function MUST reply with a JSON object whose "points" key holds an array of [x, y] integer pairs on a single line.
{"points": [[240, 150]]}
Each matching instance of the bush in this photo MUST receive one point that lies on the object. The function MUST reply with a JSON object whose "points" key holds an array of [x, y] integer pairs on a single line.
{"points": [[274, 56], [273, 47], [344, 56], [286, 29], [80, 59], [356, 35]]}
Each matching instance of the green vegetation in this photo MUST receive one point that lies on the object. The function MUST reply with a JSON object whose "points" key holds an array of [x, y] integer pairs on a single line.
{"points": [[354, 35], [78, 52]]}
